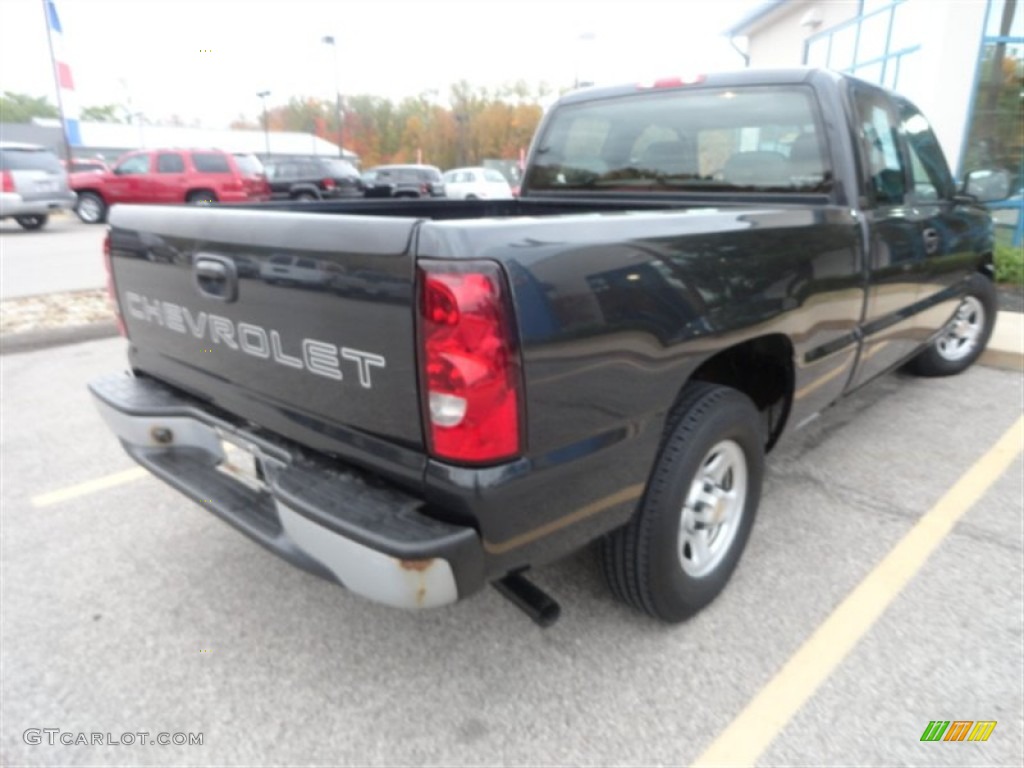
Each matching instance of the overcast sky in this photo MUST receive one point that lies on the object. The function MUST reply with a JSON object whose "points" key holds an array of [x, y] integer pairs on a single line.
{"points": [[153, 51]]}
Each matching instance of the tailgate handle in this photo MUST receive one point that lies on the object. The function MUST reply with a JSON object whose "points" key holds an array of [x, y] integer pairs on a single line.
{"points": [[216, 277]]}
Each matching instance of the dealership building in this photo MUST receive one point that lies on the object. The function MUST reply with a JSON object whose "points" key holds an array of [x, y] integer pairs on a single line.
{"points": [[960, 61], [110, 140]]}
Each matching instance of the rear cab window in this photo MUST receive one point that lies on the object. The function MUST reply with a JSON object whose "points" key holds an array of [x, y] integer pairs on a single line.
{"points": [[750, 138], [210, 162]]}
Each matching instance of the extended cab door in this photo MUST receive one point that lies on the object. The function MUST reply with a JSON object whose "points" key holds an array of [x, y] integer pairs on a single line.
{"points": [[950, 226], [899, 237]]}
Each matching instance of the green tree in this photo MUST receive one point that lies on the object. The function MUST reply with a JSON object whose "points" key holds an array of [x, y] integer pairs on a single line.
{"points": [[21, 108], [104, 113]]}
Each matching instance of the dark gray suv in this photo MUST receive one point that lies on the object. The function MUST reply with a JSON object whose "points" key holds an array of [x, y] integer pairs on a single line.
{"points": [[404, 181], [33, 184]]}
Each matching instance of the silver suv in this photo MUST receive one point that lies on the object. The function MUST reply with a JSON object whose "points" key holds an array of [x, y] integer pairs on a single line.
{"points": [[33, 184]]}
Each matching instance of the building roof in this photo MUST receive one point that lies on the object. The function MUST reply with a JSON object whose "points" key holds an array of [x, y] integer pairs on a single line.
{"points": [[755, 18], [120, 136]]}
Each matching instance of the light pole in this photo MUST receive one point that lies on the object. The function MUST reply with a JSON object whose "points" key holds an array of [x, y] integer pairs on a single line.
{"points": [[262, 96], [581, 58], [329, 40]]}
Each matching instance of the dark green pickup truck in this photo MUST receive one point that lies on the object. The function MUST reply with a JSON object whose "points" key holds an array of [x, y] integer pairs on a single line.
{"points": [[419, 398]]}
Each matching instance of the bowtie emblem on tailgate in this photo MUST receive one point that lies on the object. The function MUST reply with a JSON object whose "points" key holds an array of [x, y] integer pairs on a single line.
{"points": [[215, 276]]}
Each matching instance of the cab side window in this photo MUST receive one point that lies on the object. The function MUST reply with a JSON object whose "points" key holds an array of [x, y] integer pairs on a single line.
{"points": [[879, 132], [929, 173]]}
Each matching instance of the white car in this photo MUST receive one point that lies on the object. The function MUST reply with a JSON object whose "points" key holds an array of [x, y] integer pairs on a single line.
{"points": [[476, 184]]}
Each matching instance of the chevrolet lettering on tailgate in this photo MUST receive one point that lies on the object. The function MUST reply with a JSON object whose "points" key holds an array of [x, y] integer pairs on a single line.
{"points": [[320, 357]]}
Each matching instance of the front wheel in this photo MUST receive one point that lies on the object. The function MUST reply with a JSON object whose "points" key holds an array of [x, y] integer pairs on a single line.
{"points": [[964, 337], [36, 221], [678, 551], [90, 208]]}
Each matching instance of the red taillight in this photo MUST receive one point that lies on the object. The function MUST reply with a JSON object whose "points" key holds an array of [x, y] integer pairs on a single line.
{"points": [[8, 181], [328, 183], [469, 363], [115, 305]]}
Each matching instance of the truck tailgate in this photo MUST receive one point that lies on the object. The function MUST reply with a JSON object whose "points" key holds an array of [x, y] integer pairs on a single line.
{"points": [[306, 316]]}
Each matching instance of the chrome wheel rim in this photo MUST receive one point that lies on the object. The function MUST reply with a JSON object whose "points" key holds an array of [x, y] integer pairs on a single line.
{"points": [[960, 336], [89, 209], [713, 509]]}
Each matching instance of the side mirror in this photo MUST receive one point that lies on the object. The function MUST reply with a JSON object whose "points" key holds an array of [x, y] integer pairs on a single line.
{"points": [[988, 185]]}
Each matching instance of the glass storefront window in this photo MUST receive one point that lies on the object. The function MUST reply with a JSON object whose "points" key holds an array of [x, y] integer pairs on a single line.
{"points": [[997, 121], [1005, 17]]}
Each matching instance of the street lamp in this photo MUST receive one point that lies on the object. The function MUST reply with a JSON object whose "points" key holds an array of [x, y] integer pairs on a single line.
{"points": [[262, 95], [582, 58], [329, 40]]}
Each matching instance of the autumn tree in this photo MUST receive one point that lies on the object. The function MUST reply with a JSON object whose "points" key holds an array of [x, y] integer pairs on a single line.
{"points": [[473, 125]]}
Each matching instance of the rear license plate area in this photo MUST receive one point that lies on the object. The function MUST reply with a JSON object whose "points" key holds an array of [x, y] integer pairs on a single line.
{"points": [[242, 465]]}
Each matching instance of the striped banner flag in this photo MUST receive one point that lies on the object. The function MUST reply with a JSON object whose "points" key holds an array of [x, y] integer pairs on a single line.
{"points": [[67, 99]]}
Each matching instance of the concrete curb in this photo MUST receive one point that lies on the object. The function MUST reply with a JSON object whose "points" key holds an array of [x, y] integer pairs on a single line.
{"points": [[1006, 347], [30, 341]]}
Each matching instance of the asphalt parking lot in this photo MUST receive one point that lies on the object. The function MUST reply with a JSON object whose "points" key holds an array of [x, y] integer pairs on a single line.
{"points": [[66, 255], [128, 609]]}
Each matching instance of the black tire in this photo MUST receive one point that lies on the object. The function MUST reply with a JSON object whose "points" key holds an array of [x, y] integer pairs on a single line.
{"points": [[643, 561], [35, 221], [305, 197], [966, 335], [201, 197], [91, 208]]}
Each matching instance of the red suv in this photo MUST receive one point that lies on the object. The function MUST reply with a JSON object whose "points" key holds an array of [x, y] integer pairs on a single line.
{"points": [[170, 176]]}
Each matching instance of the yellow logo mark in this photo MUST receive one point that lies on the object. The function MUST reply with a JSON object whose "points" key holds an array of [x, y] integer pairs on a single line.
{"points": [[982, 730]]}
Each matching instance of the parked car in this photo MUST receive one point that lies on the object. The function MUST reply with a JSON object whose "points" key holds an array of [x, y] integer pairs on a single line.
{"points": [[33, 184], [404, 181], [288, 269], [476, 184], [170, 176], [606, 360], [316, 178]]}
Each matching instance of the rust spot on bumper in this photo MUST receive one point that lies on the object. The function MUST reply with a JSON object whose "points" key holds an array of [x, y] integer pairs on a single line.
{"points": [[416, 565]]}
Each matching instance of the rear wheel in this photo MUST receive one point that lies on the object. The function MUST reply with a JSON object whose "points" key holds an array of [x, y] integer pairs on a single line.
{"points": [[90, 208], [965, 336], [201, 197], [305, 197], [36, 221], [678, 551]]}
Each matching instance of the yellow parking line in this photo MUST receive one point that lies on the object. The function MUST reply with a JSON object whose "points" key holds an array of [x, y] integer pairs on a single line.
{"points": [[89, 486], [752, 731]]}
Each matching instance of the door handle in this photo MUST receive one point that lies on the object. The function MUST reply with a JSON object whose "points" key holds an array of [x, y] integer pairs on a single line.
{"points": [[215, 277], [931, 240]]}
